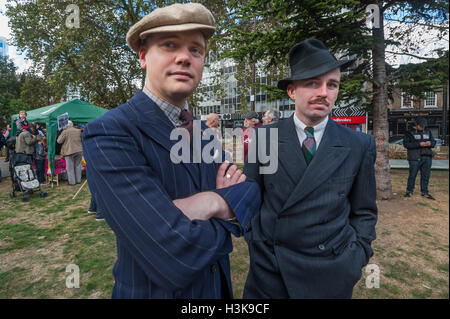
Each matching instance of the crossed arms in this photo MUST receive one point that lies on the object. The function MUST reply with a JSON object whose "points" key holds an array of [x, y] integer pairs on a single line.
{"points": [[172, 240], [206, 205]]}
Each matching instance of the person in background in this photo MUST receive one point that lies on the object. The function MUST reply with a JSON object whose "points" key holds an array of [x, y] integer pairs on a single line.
{"points": [[419, 141], [39, 130], [72, 149], [7, 134], [212, 121], [39, 158], [25, 141], [21, 122], [271, 116], [2, 143], [93, 209], [251, 122]]}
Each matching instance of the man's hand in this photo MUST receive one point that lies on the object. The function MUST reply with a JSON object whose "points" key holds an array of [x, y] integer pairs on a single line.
{"points": [[203, 206], [425, 144], [232, 176]]}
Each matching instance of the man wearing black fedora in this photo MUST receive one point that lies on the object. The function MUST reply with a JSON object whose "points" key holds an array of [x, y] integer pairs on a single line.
{"points": [[313, 233]]}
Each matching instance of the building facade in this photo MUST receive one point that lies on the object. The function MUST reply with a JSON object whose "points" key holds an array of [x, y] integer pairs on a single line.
{"points": [[226, 100], [404, 111], [3, 47]]}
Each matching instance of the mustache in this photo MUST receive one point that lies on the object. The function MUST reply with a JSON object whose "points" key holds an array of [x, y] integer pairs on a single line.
{"points": [[321, 101]]}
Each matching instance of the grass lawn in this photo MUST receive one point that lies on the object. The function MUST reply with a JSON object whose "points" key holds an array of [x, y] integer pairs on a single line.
{"points": [[40, 238]]}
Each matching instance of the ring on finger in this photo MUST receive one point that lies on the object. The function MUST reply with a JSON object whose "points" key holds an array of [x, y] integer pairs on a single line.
{"points": [[228, 176]]}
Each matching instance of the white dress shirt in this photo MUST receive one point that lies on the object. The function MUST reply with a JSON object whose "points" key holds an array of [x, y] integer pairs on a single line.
{"points": [[318, 130]]}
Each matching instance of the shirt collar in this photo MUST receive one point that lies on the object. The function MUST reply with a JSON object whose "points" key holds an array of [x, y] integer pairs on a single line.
{"points": [[172, 111], [317, 129]]}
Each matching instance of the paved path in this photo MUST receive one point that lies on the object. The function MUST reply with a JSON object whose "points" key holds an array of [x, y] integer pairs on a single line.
{"points": [[437, 164]]}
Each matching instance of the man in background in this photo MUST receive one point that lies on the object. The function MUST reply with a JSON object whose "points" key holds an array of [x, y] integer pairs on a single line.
{"points": [[251, 122], [72, 149], [212, 121], [21, 122], [419, 141], [25, 141], [271, 116]]}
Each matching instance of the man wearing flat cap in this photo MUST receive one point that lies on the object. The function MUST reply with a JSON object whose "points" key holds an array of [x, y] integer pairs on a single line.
{"points": [[172, 218], [313, 233]]}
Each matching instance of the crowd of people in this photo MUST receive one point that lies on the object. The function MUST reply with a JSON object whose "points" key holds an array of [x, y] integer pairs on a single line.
{"points": [[30, 139]]}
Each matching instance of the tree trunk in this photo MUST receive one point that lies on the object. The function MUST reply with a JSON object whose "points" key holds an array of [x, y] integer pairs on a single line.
{"points": [[380, 113]]}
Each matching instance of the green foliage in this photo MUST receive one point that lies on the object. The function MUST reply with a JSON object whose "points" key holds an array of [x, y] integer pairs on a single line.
{"points": [[257, 34], [268, 29], [10, 83], [36, 92], [416, 79], [94, 57], [264, 31]]}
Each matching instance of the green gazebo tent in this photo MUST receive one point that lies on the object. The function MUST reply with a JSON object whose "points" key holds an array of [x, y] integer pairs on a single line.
{"points": [[78, 111]]}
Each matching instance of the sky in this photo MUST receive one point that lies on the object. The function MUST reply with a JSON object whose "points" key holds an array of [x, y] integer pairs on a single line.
{"points": [[17, 57], [395, 60]]}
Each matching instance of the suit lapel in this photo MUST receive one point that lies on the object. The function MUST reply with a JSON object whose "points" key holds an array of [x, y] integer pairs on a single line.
{"points": [[289, 152], [155, 124], [329, 156]]}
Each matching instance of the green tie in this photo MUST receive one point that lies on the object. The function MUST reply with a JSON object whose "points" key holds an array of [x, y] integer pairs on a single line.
{"points": [[309, 144]]}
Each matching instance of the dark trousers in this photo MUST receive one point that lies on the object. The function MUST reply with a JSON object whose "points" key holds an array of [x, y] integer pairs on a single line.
{"points": [[93, 208], [424, 165], [40, 170]]}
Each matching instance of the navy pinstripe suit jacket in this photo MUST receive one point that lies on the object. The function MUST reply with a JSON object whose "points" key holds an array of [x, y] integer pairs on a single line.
{"points": [[160, 252]]}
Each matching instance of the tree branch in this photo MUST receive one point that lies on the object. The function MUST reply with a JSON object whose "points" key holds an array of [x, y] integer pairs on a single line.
{"points": [[409, 54]]}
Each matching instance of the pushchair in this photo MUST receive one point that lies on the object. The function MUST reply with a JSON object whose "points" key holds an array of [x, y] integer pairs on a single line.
{"points": [[23, 175]]}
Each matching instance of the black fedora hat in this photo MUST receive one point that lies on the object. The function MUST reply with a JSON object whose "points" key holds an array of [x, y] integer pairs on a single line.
{"points": [[311, 58]]}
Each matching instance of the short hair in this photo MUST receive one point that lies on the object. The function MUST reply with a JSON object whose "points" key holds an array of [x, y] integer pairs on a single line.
{"points": [[69, 123], [211, 116], [274, 114]]}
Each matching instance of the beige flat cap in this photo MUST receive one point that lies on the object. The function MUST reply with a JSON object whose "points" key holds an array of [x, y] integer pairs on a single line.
{"points": [[176, 17]]}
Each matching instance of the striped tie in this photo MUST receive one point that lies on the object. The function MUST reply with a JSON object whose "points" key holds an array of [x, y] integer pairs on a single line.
{"points": [[309, 144]]}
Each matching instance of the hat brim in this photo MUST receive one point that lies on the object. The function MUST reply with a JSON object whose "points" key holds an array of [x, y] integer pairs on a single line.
{"points": [[134, 40], [324, 68]]}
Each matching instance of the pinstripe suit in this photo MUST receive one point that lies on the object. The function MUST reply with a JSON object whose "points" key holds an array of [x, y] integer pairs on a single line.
{"points": [[160, 252], [314, 230]]}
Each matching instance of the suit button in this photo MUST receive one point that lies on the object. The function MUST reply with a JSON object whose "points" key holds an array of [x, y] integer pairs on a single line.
{"points": [[321, 247], [213, 268]]}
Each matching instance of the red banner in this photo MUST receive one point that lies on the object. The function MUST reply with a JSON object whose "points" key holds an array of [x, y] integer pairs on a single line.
{"points": [[349, 119]]}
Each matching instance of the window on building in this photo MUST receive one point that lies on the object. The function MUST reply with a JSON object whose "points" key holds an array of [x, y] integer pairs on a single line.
{"points": [[407, 101], [430, 99]]}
